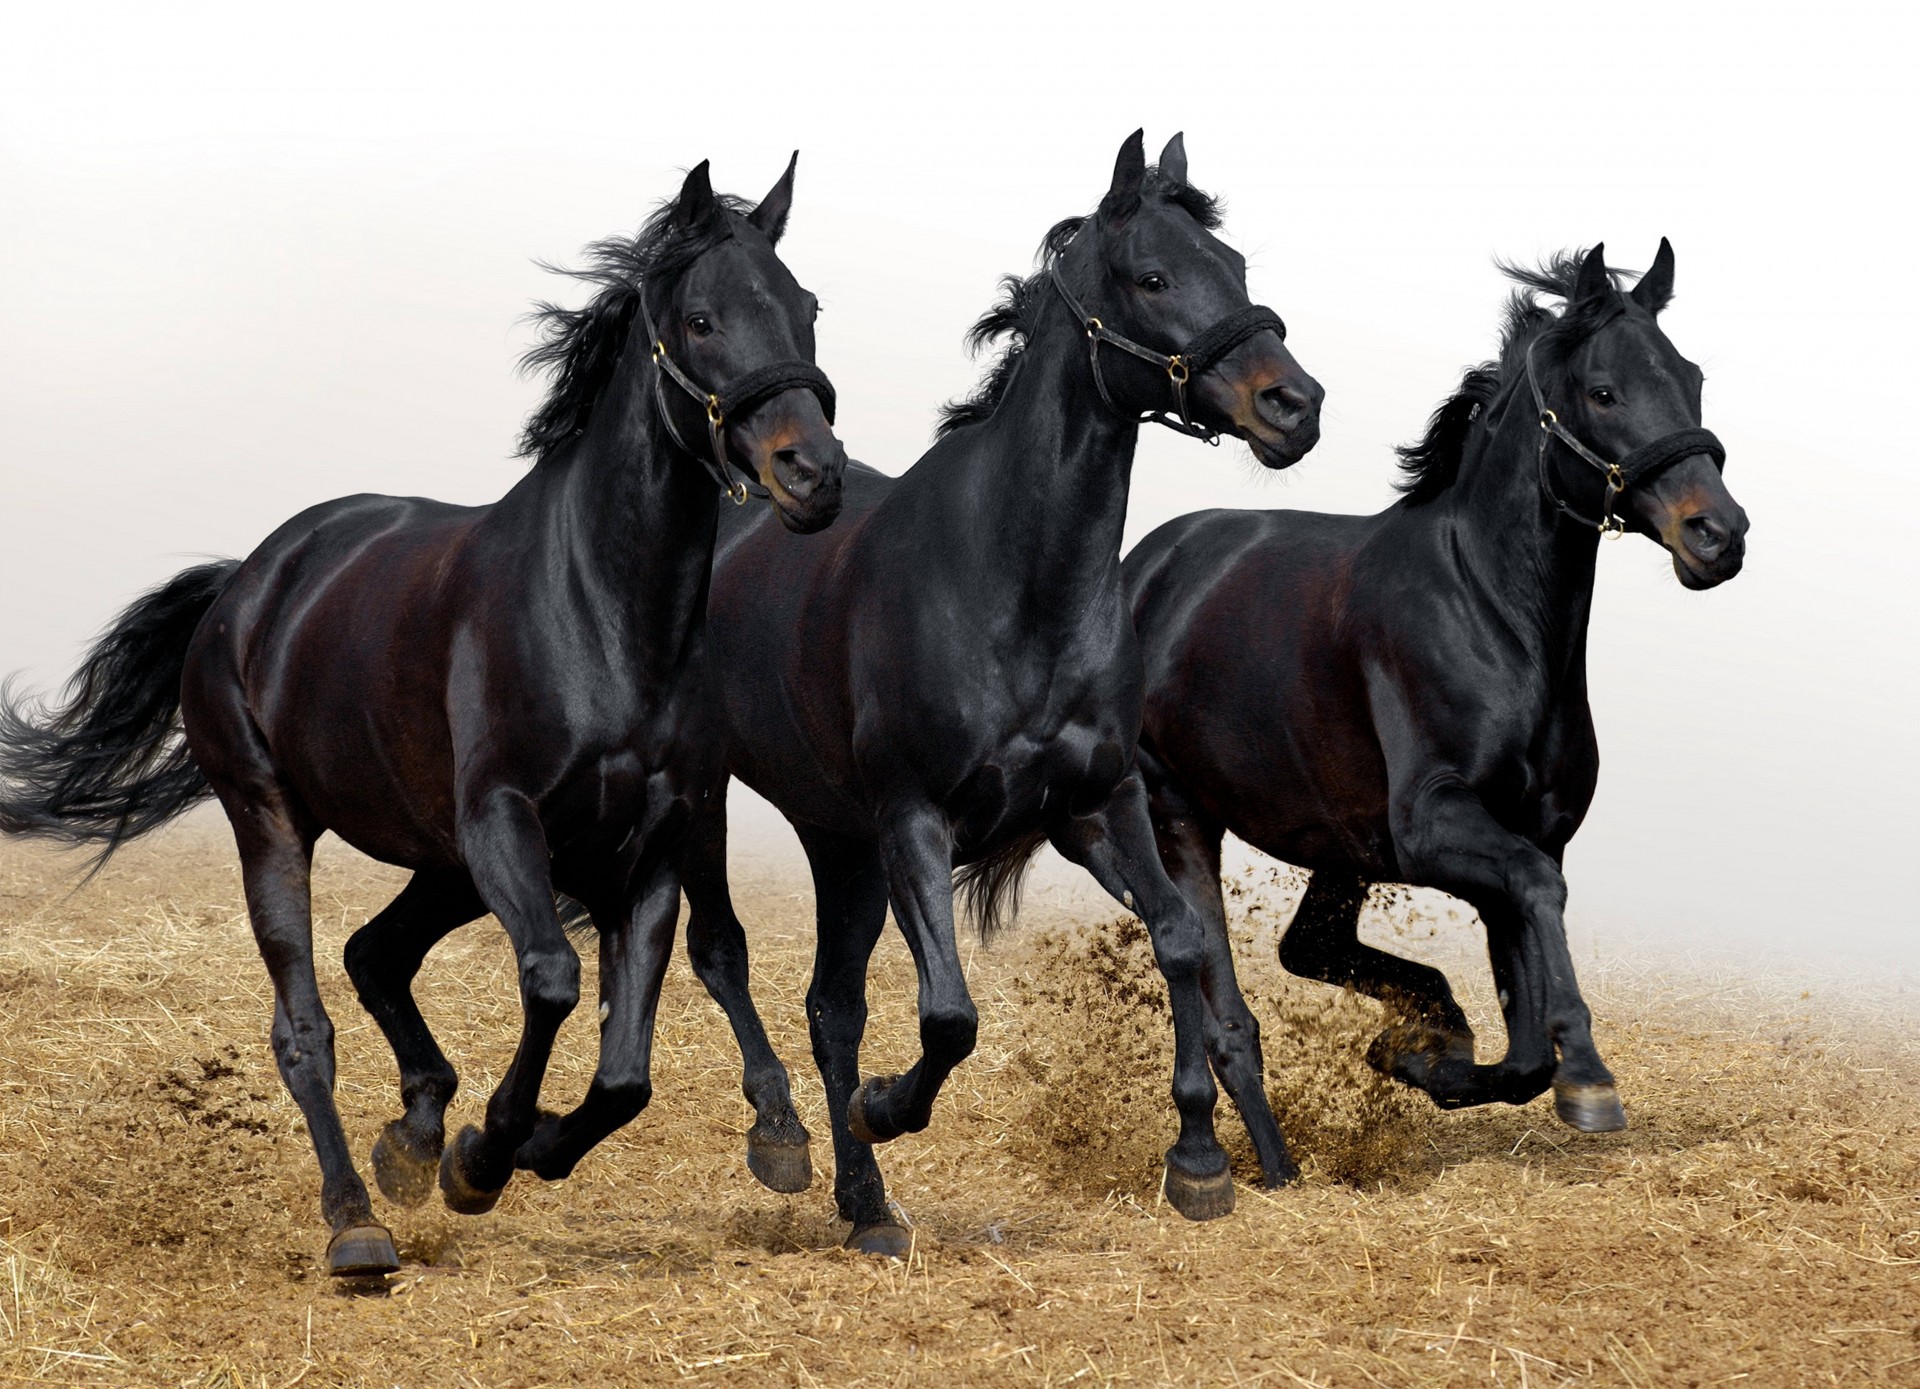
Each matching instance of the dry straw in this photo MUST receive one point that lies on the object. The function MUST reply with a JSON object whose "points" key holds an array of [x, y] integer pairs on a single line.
{"points": [[1758, 1224]]}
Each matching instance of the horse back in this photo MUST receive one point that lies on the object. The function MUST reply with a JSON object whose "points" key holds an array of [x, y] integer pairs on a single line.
{"points": [[328, 653]]}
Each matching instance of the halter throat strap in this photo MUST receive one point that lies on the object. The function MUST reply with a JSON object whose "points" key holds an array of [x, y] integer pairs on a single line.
{"points": [[1201, 355], [734, 399], [1645, 462]]}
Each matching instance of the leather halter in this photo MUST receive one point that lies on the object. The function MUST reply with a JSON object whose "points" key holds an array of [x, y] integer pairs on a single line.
{"points": [[1643, 463], [1201, 355], [736, 397]]}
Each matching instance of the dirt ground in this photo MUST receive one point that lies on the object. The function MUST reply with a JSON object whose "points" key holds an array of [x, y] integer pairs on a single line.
{"points": [[1758, 1224]]}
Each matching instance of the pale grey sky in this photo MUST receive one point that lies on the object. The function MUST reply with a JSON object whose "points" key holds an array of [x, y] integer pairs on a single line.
{"points": [[254, 257]]}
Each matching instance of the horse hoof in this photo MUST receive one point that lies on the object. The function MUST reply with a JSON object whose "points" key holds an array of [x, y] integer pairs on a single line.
{"points": [[362, 1251], [882, 1240], [405, 1175], [461, 1196], [783, 1165], [862, 1131], [1589, 1108], [1198, 1197]]}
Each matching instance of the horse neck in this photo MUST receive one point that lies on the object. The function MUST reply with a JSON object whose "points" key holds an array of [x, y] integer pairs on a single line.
{"points": [[1525, 557], [625, 528], [1046, 477]]}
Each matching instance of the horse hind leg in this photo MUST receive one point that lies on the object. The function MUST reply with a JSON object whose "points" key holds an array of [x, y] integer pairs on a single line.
{"points": [[778, 1143], [1428, 1042], [275, 841], [1190, 851], [382, 959]]}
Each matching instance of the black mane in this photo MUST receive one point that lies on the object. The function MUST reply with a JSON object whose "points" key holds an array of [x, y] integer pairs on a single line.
{"points": [[581, 347], [1017, 311], [1429, 466]]}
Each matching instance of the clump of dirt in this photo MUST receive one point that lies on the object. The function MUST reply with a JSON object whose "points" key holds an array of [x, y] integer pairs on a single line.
{"points": [[1099, 1044]]}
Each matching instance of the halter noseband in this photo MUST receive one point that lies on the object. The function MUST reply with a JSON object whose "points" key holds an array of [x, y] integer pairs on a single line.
{"points": [[1643, 463], [737, 396], [1201, 355]]}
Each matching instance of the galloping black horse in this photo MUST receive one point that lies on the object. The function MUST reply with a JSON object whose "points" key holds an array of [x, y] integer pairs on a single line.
{"points": [[950, 676], [1403, 697], [508, 699]]}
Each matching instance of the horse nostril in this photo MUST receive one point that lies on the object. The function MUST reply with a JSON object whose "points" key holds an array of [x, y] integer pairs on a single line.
{"points": [[797, 466], [1706, 537], [1283, 405]]}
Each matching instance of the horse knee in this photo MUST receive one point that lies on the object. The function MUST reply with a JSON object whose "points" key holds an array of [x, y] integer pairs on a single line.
{"points": [[622, 1100], [299, 1045], [550, 982], [949, 1033]]}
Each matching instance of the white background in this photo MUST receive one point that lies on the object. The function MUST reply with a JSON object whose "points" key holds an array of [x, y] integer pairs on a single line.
{"points": [[255, 257]]}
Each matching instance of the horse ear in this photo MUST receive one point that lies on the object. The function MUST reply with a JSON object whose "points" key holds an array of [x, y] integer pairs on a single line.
{"points": [[1655, 290], [1129, 174], [1594, 282], [696, 198], [771, 215], [1173, 159]]}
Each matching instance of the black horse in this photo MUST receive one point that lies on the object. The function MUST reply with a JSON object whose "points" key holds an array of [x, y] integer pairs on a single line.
{"points": [[950, 676], [509, 699], [1403, 697]]}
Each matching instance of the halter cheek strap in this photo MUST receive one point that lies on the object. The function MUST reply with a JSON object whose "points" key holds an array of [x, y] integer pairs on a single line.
{"points": [[735, 398], [1201, 355], [1643, 463]]}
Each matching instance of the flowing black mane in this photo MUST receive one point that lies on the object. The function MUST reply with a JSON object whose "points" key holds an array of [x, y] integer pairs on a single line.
{"points": [[581, 347], [1429, 466], [1017, 311]]}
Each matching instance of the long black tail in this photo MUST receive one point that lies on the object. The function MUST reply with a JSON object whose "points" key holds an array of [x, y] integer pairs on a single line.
{"points": [[989, 889], [107, 763]]}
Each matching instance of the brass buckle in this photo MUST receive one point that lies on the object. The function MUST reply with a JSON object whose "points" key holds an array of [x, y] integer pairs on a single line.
{"points": [[738, 491], [1548, 420], [714, 417], [659, 352], [1094, 326], [1177, 370]]}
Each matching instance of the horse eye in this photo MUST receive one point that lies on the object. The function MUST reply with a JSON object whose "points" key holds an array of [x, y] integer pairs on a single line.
{"points": [[1153, 284], [1600, 395], [700, 325]]}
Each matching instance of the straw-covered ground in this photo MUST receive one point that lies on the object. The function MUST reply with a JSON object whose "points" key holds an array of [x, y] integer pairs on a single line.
{"points": [[1758, 1224]]}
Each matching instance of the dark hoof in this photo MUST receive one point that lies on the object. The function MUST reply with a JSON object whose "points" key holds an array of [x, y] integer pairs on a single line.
{"points": [[857, 1109], [1285, 1174], [544, 1154], [1589, 1108], [884, 1240], [362, 1251], [1198, 1198], [783, 1165], [404, 1173], [461, 1196]]}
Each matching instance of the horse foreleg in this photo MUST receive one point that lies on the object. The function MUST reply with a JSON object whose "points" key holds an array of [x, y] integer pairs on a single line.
{"points": [[634, 950], [850, 895], [717, 947], [505, 850], [916, 846], [1449, 840], [382, 959], [1116, 845]]}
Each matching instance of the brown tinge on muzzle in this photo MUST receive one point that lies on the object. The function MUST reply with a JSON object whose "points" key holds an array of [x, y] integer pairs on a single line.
{"points": [[1274, 405], [797, 457], [1705, 530]]}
